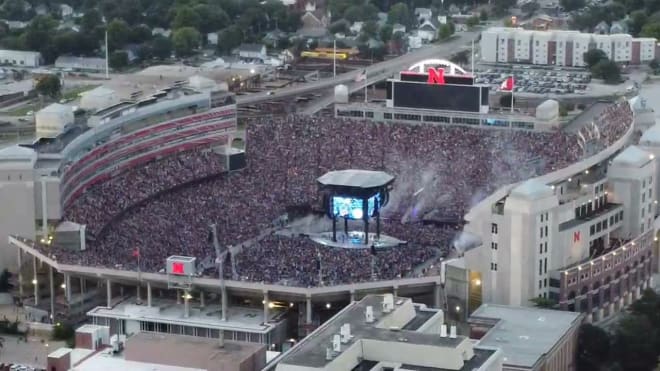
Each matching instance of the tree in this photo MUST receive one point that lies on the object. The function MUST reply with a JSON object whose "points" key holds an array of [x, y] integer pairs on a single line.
{"points": [[483, 15], [49, 86], [118, 60], [571, 5], [472, 21], [649, 306], [186, 17], [399, 13], [340, 26], [608, 71], [369, 29], [161, 47], [90, 20], [593, 348], [445, 31], [593, 56], [651, 29], [139, 34], [229, 38], [541, 302], [385, 33], [118, 34], [185, 40], [211, 18], [636, 22], [635, 344], [39, 36]]}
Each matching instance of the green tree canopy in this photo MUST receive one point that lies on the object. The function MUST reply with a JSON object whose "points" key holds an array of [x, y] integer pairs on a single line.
{"points": [[118, 34], [118, 60], [186, 17], [593, 56], [229, 38], [593, 348], [161, 47], [399, 13], [49, 86], [635, 344], [608, 71], [185, 40]]}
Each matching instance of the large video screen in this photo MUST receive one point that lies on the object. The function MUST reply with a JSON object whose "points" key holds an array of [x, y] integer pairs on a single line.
{"points": [[351, 208], [437, 97]]}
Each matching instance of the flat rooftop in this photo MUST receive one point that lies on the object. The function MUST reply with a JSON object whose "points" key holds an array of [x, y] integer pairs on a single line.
{"points": [[356, 178], [524, 334], [311, 351], [105, 360], [168, 311]]}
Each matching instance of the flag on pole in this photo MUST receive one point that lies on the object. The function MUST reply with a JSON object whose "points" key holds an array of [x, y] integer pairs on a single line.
{"points": [[507, 84], [136, 253], [362, 76]]}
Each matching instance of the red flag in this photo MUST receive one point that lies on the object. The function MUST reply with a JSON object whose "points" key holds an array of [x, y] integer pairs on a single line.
{"points": [[508, 84], [136, 253]]}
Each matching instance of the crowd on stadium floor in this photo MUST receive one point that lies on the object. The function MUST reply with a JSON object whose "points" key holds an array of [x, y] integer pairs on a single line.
{"points": [[441, 171]]}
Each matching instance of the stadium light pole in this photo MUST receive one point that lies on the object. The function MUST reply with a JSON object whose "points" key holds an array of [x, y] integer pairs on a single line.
{"points": [[334, 58]]}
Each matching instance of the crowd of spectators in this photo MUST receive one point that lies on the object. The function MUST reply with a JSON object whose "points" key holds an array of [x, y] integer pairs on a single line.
{"points": [[441, 171], [102, 202]]}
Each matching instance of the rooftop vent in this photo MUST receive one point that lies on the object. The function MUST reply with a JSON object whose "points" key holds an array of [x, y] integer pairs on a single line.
{"points": [[452, 332], [369, 314], [328, 354], [443, 331], [345, 332], [336, 343], [388, 303]]}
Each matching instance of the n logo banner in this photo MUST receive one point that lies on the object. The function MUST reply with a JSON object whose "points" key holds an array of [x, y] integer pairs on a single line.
{"points": [[436, 76], [576, 236], [177, 268]]}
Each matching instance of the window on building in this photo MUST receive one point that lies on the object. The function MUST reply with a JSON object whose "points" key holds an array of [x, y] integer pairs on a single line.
{"points": [[540, 284], [545, 246], [605, 224], [546, 231], [493, 228], [621, 215], [540, 267], [545, 282], [387, 116], [541, 232], [592, 230], [545, 265], [493, 245], [540, 248]]}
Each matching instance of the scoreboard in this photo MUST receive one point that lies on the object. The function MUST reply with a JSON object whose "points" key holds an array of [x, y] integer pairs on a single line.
{"points": [[436, 91]]}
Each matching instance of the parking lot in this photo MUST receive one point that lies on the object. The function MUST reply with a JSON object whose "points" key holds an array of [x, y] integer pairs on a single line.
{"points": [[537, 81]]}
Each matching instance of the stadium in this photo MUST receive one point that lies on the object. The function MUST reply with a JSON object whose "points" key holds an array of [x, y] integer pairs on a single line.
{"points": [[155, 197]]}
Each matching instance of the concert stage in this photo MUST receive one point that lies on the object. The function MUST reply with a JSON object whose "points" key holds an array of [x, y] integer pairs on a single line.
{"points": [[355, 240]]}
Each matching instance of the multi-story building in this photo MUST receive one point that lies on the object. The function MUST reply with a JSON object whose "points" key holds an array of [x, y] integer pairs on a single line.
{"points": [[384, 332], [530, 338], [561, 48], [581, 237]]}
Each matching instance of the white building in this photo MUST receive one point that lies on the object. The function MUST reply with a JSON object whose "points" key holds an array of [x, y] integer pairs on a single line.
{"points": [[53, 120], [561, 236], [383, 332], [98, 98], [561, 48], [20, 58]]}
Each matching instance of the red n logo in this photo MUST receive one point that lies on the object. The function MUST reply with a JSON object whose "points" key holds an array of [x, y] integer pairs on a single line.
{"points": [[177, 268], [436, 76], [576, 236]]}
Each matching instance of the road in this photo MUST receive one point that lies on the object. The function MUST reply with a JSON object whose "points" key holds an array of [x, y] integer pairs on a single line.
{"points": [[375, 72]]}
